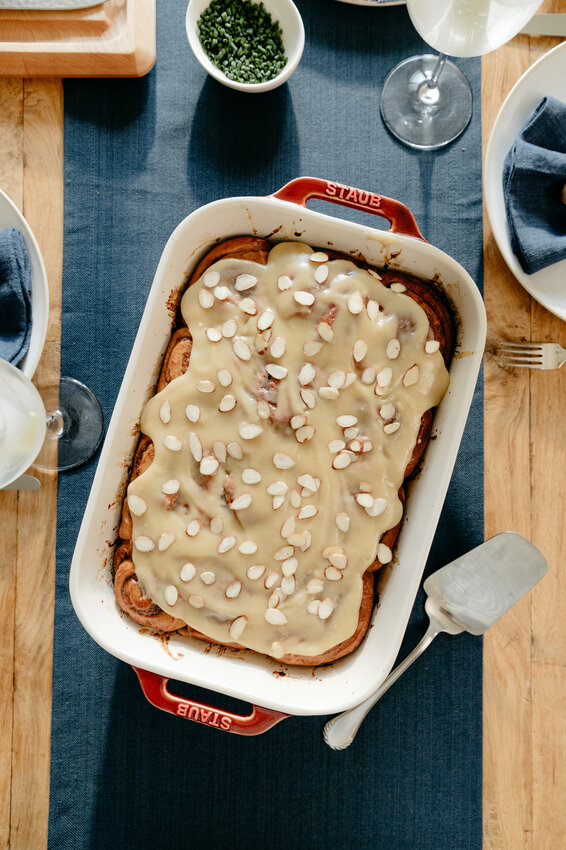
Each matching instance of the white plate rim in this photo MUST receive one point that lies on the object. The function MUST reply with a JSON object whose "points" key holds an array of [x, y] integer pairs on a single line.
{"points": [[375, 3], [539, 80], [10, 216]]}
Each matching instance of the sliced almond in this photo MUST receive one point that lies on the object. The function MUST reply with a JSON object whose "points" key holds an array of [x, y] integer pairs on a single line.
{"points": [[306, 299], [284, 282], [193, 528], [233, 590], [192, 412], [251, 476], [188, 571], [242, 502], [195, 446], [343, 521], [137, 505], [355, 303], [226, 544], [321, 274], [206, 386], [275, 617], [249, 430], [304, 434], [255, 572], [241, 349], [284, 553], [411, 376], [360, 350], [165, 412], [330, 393], [346, 420], [211, 278], [384, 554], [237, 627], [391, 427], [248, 547], [214, 334], [172, 443], [311, 348], [315, 585], [326, 608], [318, 257], [325, 332], [227, 402], [222, 293], [208, 465], [196, 601], [332, 574], [288, 585], [229, 329], [144, 544], [276, 371], [265, 320], [308, 397], [207, 577], [171, 594], [244, 282], [431, 345], [205, 299], [277, 488], [235, 450], [282, 460], [248, 306], [341, 461], [278, 347], [393, 349], [169, 488]]}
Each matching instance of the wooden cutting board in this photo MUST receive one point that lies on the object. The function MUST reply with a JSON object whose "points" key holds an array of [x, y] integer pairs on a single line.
{"points": [[112, 39]]}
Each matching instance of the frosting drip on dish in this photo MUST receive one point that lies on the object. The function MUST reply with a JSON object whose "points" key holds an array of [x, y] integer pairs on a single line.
{"points": [[280, 452]]}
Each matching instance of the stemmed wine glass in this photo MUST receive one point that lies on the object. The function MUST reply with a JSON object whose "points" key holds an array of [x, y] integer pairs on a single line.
{"points": [[426, 101], [59, 428]]}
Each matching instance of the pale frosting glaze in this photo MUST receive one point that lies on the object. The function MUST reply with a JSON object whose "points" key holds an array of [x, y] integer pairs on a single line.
{"points": [[268, 496]]}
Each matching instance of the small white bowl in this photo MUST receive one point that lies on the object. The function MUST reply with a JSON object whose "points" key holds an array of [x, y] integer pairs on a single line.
{"points": [[293, 34]]}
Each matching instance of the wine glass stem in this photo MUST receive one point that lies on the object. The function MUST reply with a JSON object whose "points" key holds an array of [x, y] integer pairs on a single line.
{"points": [[440, 62], [55, 424], [428, 93]]}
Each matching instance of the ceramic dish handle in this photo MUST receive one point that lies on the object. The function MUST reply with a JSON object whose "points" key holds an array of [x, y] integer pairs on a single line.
{"points": [[155, 690], [300, 190]]}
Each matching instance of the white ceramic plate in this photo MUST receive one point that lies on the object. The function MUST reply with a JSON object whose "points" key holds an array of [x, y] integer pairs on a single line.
{"points": [[10, 216], [546, 77]]}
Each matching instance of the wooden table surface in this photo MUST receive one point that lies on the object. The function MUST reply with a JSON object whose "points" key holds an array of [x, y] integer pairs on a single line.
{"points": [[525, 467]]}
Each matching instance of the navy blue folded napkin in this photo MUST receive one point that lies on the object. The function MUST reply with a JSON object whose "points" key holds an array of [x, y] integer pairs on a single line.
{"points": [[534, 174], [15, 296]]}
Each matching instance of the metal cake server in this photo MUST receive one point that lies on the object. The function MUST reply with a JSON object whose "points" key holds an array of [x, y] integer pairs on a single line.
{"points": [[469, 594]]}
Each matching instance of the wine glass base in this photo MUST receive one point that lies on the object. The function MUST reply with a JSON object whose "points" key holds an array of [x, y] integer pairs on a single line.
{"points": [[418, 119], [75, 425]]}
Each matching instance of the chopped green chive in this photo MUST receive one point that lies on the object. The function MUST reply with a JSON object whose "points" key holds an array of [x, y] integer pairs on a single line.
{"points": [[242, 40]]}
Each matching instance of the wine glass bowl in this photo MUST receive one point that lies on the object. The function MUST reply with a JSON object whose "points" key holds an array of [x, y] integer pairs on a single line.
{"points": [[23, 423], [58, 426], [426, 101]]}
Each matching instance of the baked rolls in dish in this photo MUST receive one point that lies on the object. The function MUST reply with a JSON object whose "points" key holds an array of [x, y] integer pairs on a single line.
{"points": [[294, 401]]}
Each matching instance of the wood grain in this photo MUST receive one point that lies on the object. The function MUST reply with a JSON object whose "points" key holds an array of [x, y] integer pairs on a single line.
{"points": [[525, 448], [114, 39], [525, 433], [31, 116]]}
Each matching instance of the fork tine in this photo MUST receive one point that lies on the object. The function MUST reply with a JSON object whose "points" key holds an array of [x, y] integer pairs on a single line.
{"points": [[521, 346], [522, 364]]}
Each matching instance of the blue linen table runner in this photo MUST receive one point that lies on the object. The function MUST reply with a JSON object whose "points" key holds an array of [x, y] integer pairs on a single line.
{"points": [[140, 155]]}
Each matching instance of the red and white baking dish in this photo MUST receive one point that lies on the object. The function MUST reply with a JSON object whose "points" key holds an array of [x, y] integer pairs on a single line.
{"points": [[243, 674]]}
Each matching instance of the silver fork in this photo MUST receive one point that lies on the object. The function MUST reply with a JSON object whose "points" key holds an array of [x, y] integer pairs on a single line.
{"points": [[535, 355]]}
